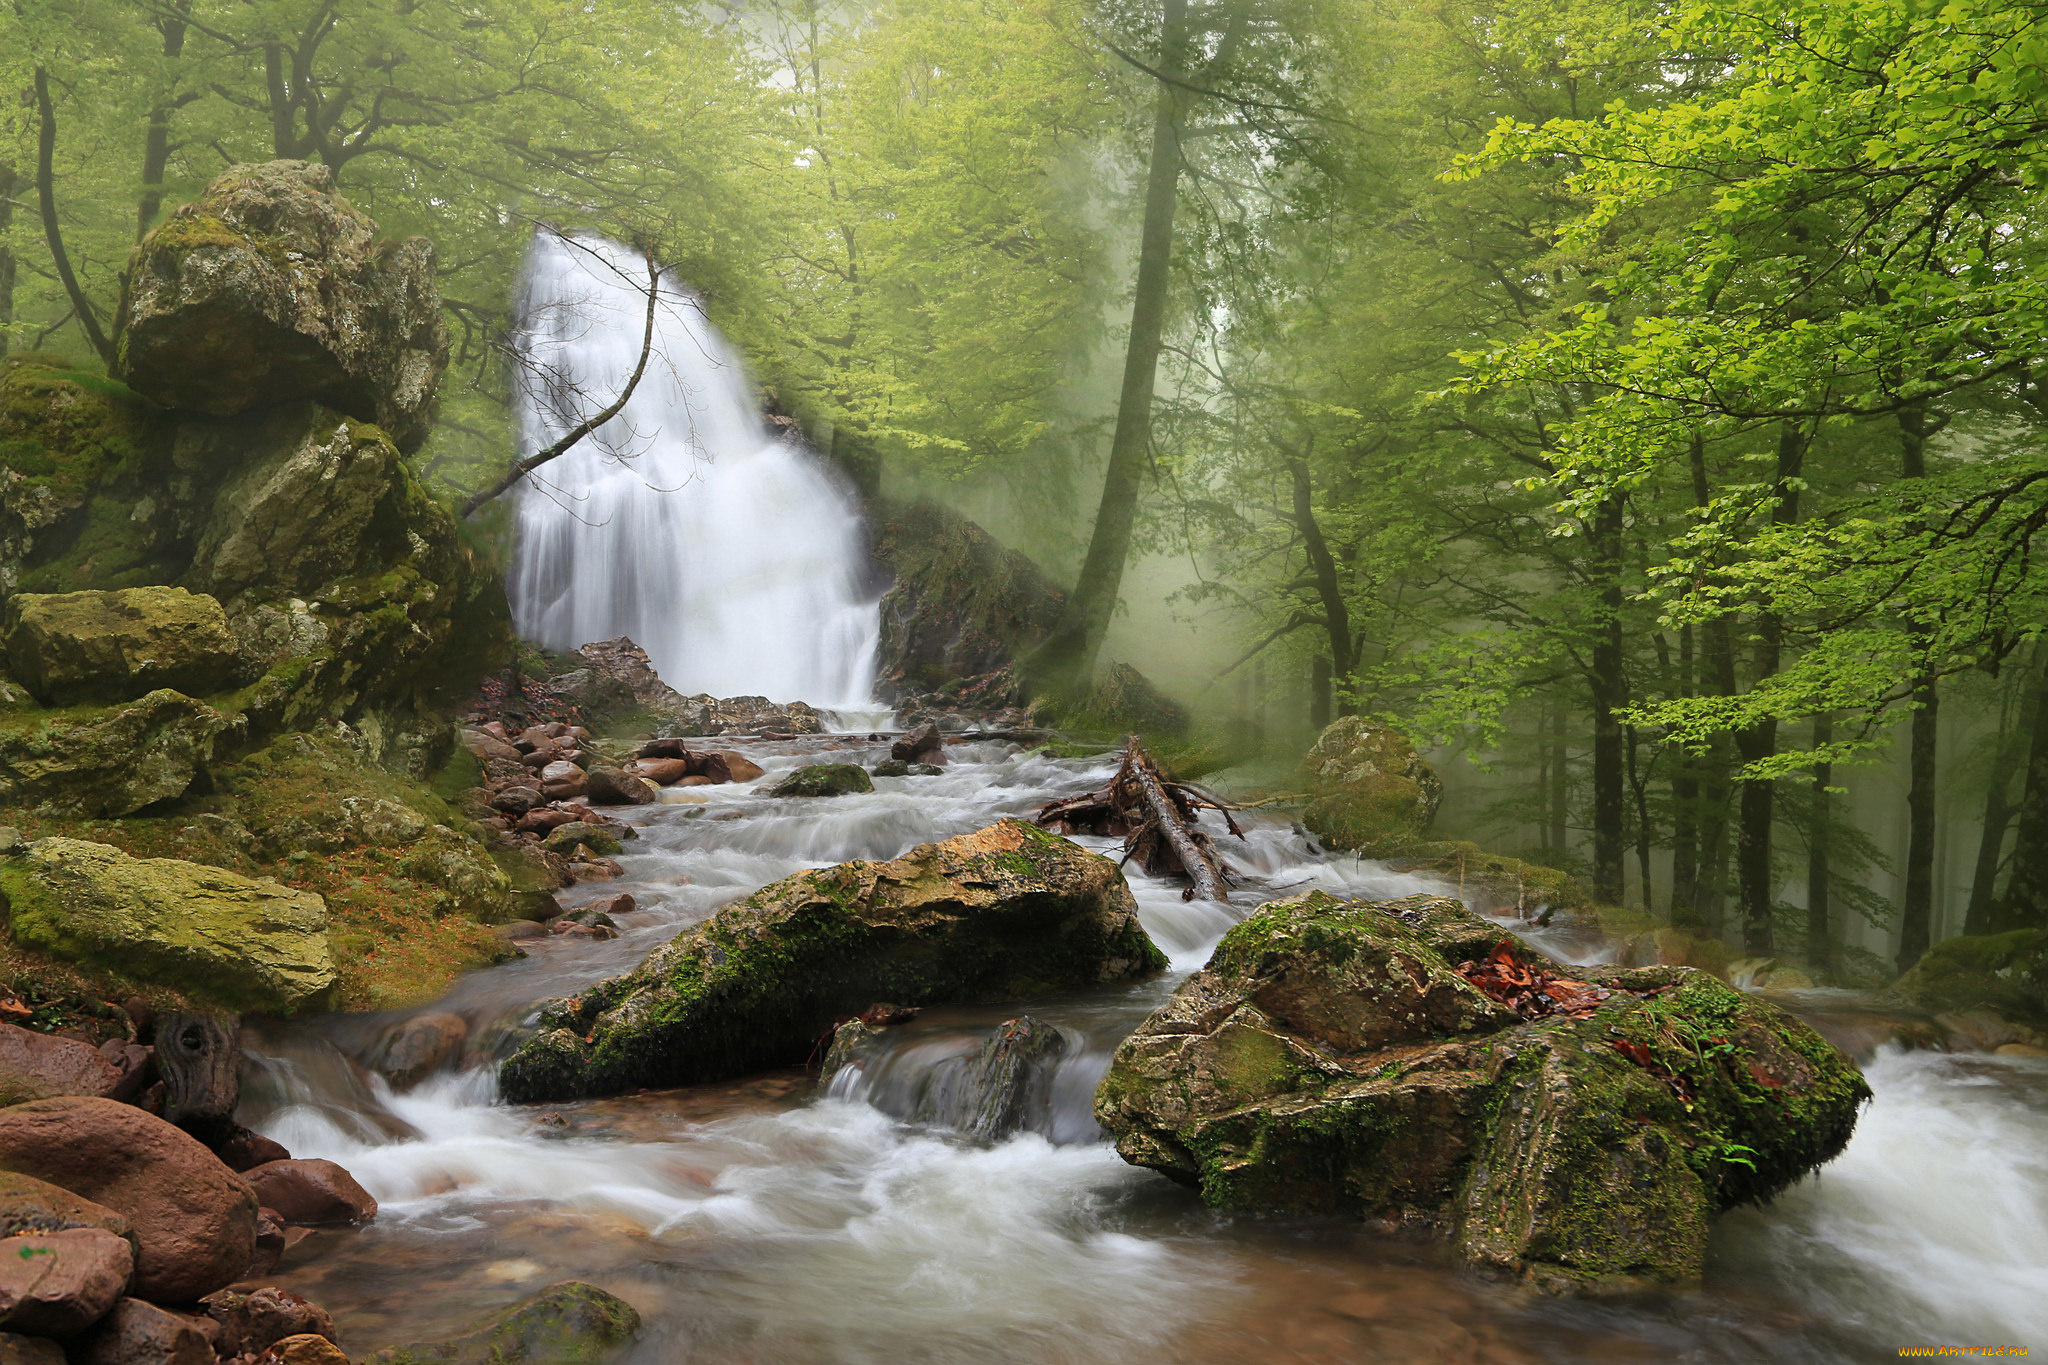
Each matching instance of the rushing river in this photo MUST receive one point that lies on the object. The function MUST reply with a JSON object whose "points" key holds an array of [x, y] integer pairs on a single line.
{"points": [[760, 1221]]}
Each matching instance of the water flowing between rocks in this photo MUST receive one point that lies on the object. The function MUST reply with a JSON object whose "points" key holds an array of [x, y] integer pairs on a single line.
{"points": [[764, 1221]]}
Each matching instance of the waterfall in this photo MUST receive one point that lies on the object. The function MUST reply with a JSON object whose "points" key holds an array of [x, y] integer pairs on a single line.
{"points": [[726, 551]]}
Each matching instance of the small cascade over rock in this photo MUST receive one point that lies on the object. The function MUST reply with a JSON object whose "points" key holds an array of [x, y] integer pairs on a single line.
{"points": [[725, 550]]}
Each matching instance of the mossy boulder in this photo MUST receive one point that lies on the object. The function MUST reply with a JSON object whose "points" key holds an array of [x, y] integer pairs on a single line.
{"points": [[1006, 913], [213, 934], [107, 761], [824, 779], [2004, 973], [1368, 788], [564, 1324], [115, 646], [1332, 1057], [272, 288]]}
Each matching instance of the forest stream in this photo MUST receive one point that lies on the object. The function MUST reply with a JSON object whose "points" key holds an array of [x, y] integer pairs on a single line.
{"points": [[763, 1221]]}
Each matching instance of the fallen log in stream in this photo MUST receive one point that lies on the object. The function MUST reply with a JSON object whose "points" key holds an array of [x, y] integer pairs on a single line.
{"points": [[1156, 818]]}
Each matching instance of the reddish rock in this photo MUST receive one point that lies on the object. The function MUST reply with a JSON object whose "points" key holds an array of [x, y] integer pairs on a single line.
{"points": [[39, 1066], [620, 903], [545, 819], [693, 781], [194, 1220], [517, 801], [660, 771], [925, 745], [312, 1192], [665, 748], [138, 1333], [559, 781], [740, 767], [57, 1283], [488, 747], [31, 1205], [270, 1244], [245, 1150], [253, 1322], [20, 1350]]}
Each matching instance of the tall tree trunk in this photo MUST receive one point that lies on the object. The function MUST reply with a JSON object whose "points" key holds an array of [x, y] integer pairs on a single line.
{"points": [[1609, 688], [1066, 660], [1685, 813], [1999, 807], [53, 236], [156, 142], [1640, 786], [1330, 592], [1758, 799], [9, 182], [1916, 913], [1819, 939], [1560, 785], [2026, 895]]}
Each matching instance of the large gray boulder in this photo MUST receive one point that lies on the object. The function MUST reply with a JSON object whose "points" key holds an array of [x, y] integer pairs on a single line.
{"points": [[271, 288], [1005, 913]]}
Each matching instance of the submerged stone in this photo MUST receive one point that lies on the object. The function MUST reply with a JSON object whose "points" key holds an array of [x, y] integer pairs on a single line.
{"points": [[1581, 1132], [213, 934], [1008, 912], [564, 1324]]}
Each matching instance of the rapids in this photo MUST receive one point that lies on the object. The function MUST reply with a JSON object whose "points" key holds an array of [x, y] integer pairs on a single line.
{"points": [[760, 1221], [727, 552]]}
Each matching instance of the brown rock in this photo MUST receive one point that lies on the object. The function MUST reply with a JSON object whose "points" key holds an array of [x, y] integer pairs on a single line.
{"points": [[31, 1205], [37, 1066], [255, 1321], [620, 903], [245, 1150], [560, 781], [137, 1065], [308, 1349], [542, 820], [270, 1244], [20, 1350], [312, 1192], [194, 1220], [488, 747], [660, 771], [665, 748], [740, 767], [926, 745], [422, 1046], [516, 801], [57, 1283], [138, 1333], [616, 787], [693, 781]]}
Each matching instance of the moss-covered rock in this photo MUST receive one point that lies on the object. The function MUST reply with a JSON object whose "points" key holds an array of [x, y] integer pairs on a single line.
{"points": [[1006, 913], [2004, 973], [1368, 788], [824, 779], [272, 288], [1331, 1057], [107, 761], [246, 945], [115, 646], [564, 1324]]}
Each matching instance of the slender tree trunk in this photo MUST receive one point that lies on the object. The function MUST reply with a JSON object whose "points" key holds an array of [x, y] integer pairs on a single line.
{"points": [[1640, 785], [1067, 659], [1758, 798], [1715, 781], [1819, 938], [1685, 813], [2026, 895], [9, 182], [1609, 688], [1916, 913], [1560, 785], [1999, 807], [1330, 592], [53, 236], [156, 142]]}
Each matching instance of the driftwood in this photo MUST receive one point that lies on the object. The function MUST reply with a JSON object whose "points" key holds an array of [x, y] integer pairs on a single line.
{"points": [[200, 1059], [1156, 818]]}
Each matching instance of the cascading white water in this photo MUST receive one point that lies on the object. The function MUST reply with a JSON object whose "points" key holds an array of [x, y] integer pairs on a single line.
{"points": [[725, 551]]}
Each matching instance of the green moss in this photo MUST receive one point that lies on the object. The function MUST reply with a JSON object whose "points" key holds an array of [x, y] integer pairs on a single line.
{"points": [[2005, 973]]}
